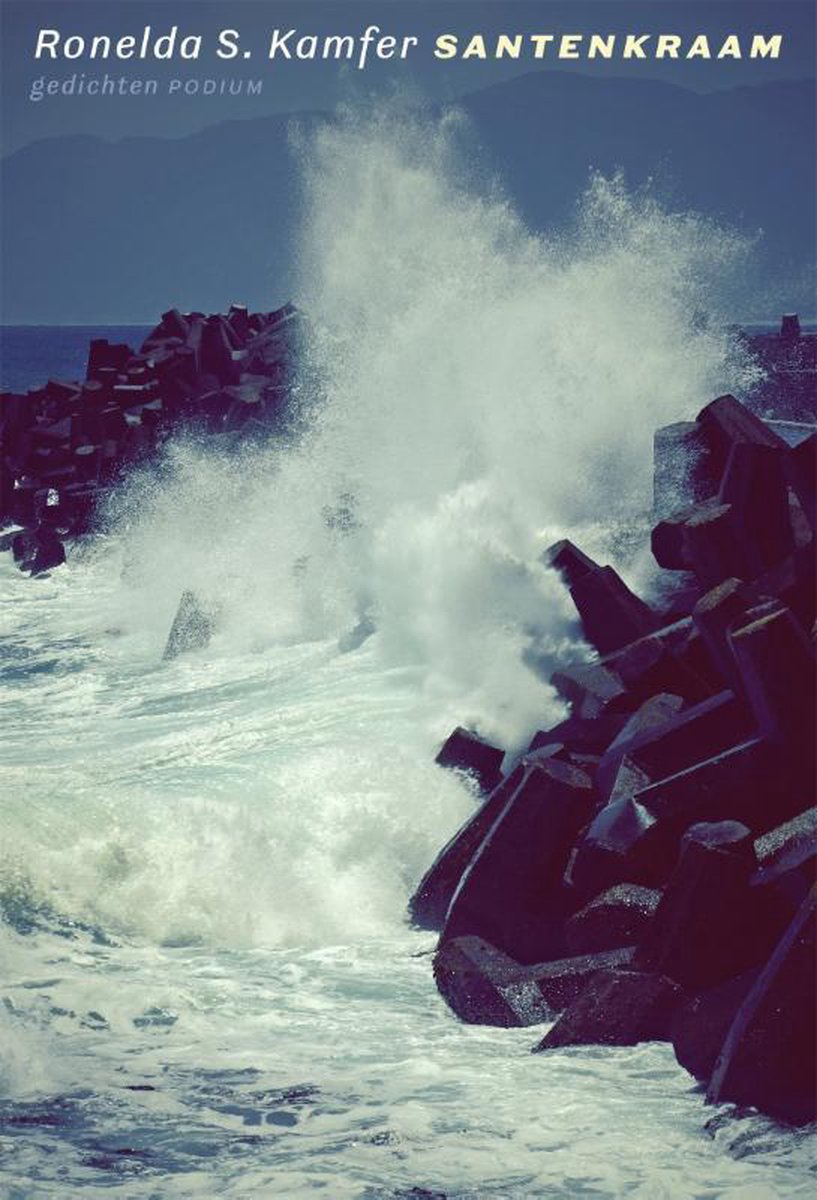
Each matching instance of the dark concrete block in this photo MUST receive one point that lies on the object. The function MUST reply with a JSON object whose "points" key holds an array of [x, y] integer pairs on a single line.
{"points": [[691, 735], [510, 893], [239, 319], [787, 870], [721, 538], [483, 986], [106, 356], [662, 664], [618, 917], [778, 670], [617, 1008], [215, 351], [571, 562], [712, 548], [636, 838], [794, 582], [769, 1056], [701, 934], [714, 615], [689, 672], [751, 783], [590, 689], [63, 393], [667, 537], [429, 904], [611, 615], [654, 714], [132, 395], [620, 845], [174, 325], [113, 424], [700, 1024], [726, 421], [38, 551], [754, 484], [94, 395], [582, 735], [465, 751]]}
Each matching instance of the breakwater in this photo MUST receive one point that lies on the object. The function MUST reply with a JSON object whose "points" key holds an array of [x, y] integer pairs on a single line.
{"points": [[66, 444], [645, 869]]}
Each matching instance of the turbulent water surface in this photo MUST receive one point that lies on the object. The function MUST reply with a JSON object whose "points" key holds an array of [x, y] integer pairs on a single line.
{"points": [[209, 987]]}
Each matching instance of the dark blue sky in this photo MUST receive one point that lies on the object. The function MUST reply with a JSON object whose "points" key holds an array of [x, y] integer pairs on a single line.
{"points": [[295, 86]]}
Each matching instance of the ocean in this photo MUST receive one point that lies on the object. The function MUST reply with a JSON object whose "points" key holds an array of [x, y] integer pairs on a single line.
{"points": [[32, 354], [209, 985]]}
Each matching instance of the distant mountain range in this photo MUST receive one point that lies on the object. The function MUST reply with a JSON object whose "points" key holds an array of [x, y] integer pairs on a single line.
{"points": [[95, 231]]}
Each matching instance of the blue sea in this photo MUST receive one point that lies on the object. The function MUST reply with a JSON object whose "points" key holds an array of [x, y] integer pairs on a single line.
{"points": [[32, 354], [209, 987]]}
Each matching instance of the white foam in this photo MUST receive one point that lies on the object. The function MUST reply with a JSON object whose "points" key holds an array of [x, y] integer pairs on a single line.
{"points": [[473, 391]]}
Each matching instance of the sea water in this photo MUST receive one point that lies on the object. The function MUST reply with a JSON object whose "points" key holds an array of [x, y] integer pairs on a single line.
{"points": [[209, 987]]}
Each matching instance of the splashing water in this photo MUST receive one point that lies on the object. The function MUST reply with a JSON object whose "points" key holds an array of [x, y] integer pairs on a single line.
{"points": [[470, 392], [207, 861], [482, 390]]}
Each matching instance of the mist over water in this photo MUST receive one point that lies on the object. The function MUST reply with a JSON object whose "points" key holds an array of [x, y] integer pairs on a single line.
{"points": [[207, 861]]}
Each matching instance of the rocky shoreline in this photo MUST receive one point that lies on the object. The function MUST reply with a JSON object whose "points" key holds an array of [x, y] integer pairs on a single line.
{"points": [[646, 869], [66, 445]]}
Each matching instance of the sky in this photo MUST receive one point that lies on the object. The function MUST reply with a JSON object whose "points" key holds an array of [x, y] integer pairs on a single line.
{"points": [[296, 86]]}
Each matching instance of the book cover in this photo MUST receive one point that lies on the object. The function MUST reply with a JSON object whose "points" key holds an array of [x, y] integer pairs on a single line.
{"points": [[408, 440]]}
